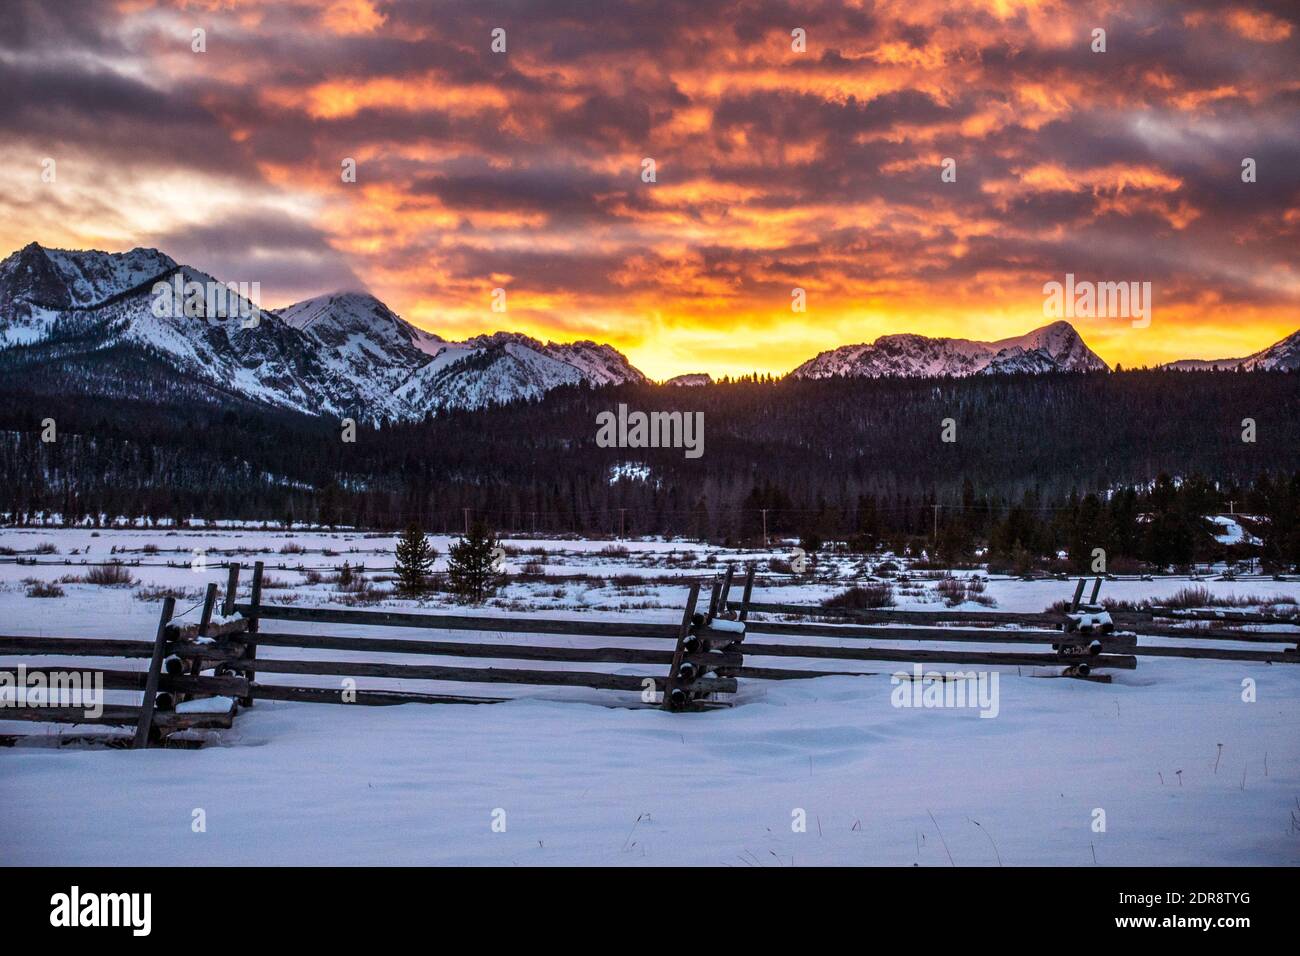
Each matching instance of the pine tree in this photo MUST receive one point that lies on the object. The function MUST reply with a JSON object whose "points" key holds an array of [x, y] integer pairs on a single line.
{"points": [[415, 557], [472, 565]]}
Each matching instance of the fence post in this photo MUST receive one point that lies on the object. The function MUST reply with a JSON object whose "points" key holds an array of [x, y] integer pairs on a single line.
{"points": [[726, 589], [209, 605], [1078, 595], [232, 585], [145, 723], [250, 649], [683, 634], [749, 589], [205, 619]]}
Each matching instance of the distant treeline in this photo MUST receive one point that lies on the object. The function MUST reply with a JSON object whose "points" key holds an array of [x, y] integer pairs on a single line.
{"points": [[1039, 464]]}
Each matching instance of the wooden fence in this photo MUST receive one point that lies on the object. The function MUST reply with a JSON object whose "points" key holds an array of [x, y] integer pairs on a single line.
{"points": [[1130, 627], [203, 669]]}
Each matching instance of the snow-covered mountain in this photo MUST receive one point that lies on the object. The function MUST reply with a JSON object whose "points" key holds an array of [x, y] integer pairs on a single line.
{"points": [[478, 372], [1055, 347], [340, 354], [1283, 356], [691, 379]]}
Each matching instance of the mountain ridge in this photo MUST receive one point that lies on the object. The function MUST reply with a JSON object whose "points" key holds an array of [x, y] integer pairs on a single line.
{"points": [[1283, 355], [343, 353], [347, 353], [1054, 347]]}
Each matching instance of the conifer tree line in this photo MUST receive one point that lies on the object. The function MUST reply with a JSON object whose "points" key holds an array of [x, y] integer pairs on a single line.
{"points": [[1061, 463]]}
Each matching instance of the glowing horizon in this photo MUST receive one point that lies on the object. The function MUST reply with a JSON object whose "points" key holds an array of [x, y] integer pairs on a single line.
{"points": [[775, 168]]}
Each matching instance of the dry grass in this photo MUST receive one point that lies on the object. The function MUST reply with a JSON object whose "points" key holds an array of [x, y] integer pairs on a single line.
{"points": [[863, 596], [157, 593], [954, 590], [1197, 596], [109, 576]]}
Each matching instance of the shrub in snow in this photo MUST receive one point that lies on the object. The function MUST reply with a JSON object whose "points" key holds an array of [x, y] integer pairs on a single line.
{"points": [[863, 596], [349, 580], [113, 575]]}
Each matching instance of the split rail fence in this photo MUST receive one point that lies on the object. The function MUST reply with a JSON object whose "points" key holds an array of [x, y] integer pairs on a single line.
{"points": [[202, 670]]}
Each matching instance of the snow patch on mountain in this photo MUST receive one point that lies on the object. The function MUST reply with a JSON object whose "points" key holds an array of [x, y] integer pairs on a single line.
{"points": [[1055, 347]]}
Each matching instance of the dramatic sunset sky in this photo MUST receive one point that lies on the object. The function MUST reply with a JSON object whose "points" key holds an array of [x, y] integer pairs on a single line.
{"points": [[775, 169]]}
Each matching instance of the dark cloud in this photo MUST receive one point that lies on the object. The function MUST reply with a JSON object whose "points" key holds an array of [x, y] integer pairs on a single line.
{"points": [[774, 168], [292, 260]]}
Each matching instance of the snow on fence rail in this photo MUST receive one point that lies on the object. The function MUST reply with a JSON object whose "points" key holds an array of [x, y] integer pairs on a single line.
{"points": [[203, 667]]}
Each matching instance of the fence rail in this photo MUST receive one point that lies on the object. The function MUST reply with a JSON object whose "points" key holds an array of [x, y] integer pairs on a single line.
{"points": [[1127, 626], [203, 670]]}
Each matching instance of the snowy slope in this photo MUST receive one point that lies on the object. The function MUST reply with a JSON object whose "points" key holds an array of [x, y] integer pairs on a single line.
{"points": [[488, 369], [1055, 347], [1228, 530], [407, 371], [364, 342], [356, 322], [1186, 771], [1283, 356]]}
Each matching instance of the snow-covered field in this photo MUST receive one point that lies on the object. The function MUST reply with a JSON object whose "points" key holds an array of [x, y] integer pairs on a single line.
{"points": [[1183, 770]]}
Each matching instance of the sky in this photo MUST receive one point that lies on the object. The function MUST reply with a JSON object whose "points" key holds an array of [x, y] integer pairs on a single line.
{"points": [[778, 164]]}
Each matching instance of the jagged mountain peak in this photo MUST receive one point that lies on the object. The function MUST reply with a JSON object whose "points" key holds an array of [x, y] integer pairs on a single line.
{"points": [[357, 319], [342, 353], [38, 283], [1054, 347]]}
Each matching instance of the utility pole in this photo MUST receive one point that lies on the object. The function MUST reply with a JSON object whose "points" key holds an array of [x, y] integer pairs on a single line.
{"points": [[466, 510], [936, 523], [765, 511]]}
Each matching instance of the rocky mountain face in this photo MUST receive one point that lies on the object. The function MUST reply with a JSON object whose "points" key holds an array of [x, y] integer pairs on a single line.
{"points": [[340, 354], [1283, 356], [1055, 347]]}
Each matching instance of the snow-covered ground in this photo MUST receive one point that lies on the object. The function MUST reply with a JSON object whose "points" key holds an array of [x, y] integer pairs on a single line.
{"points": [[1183, 769]]}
